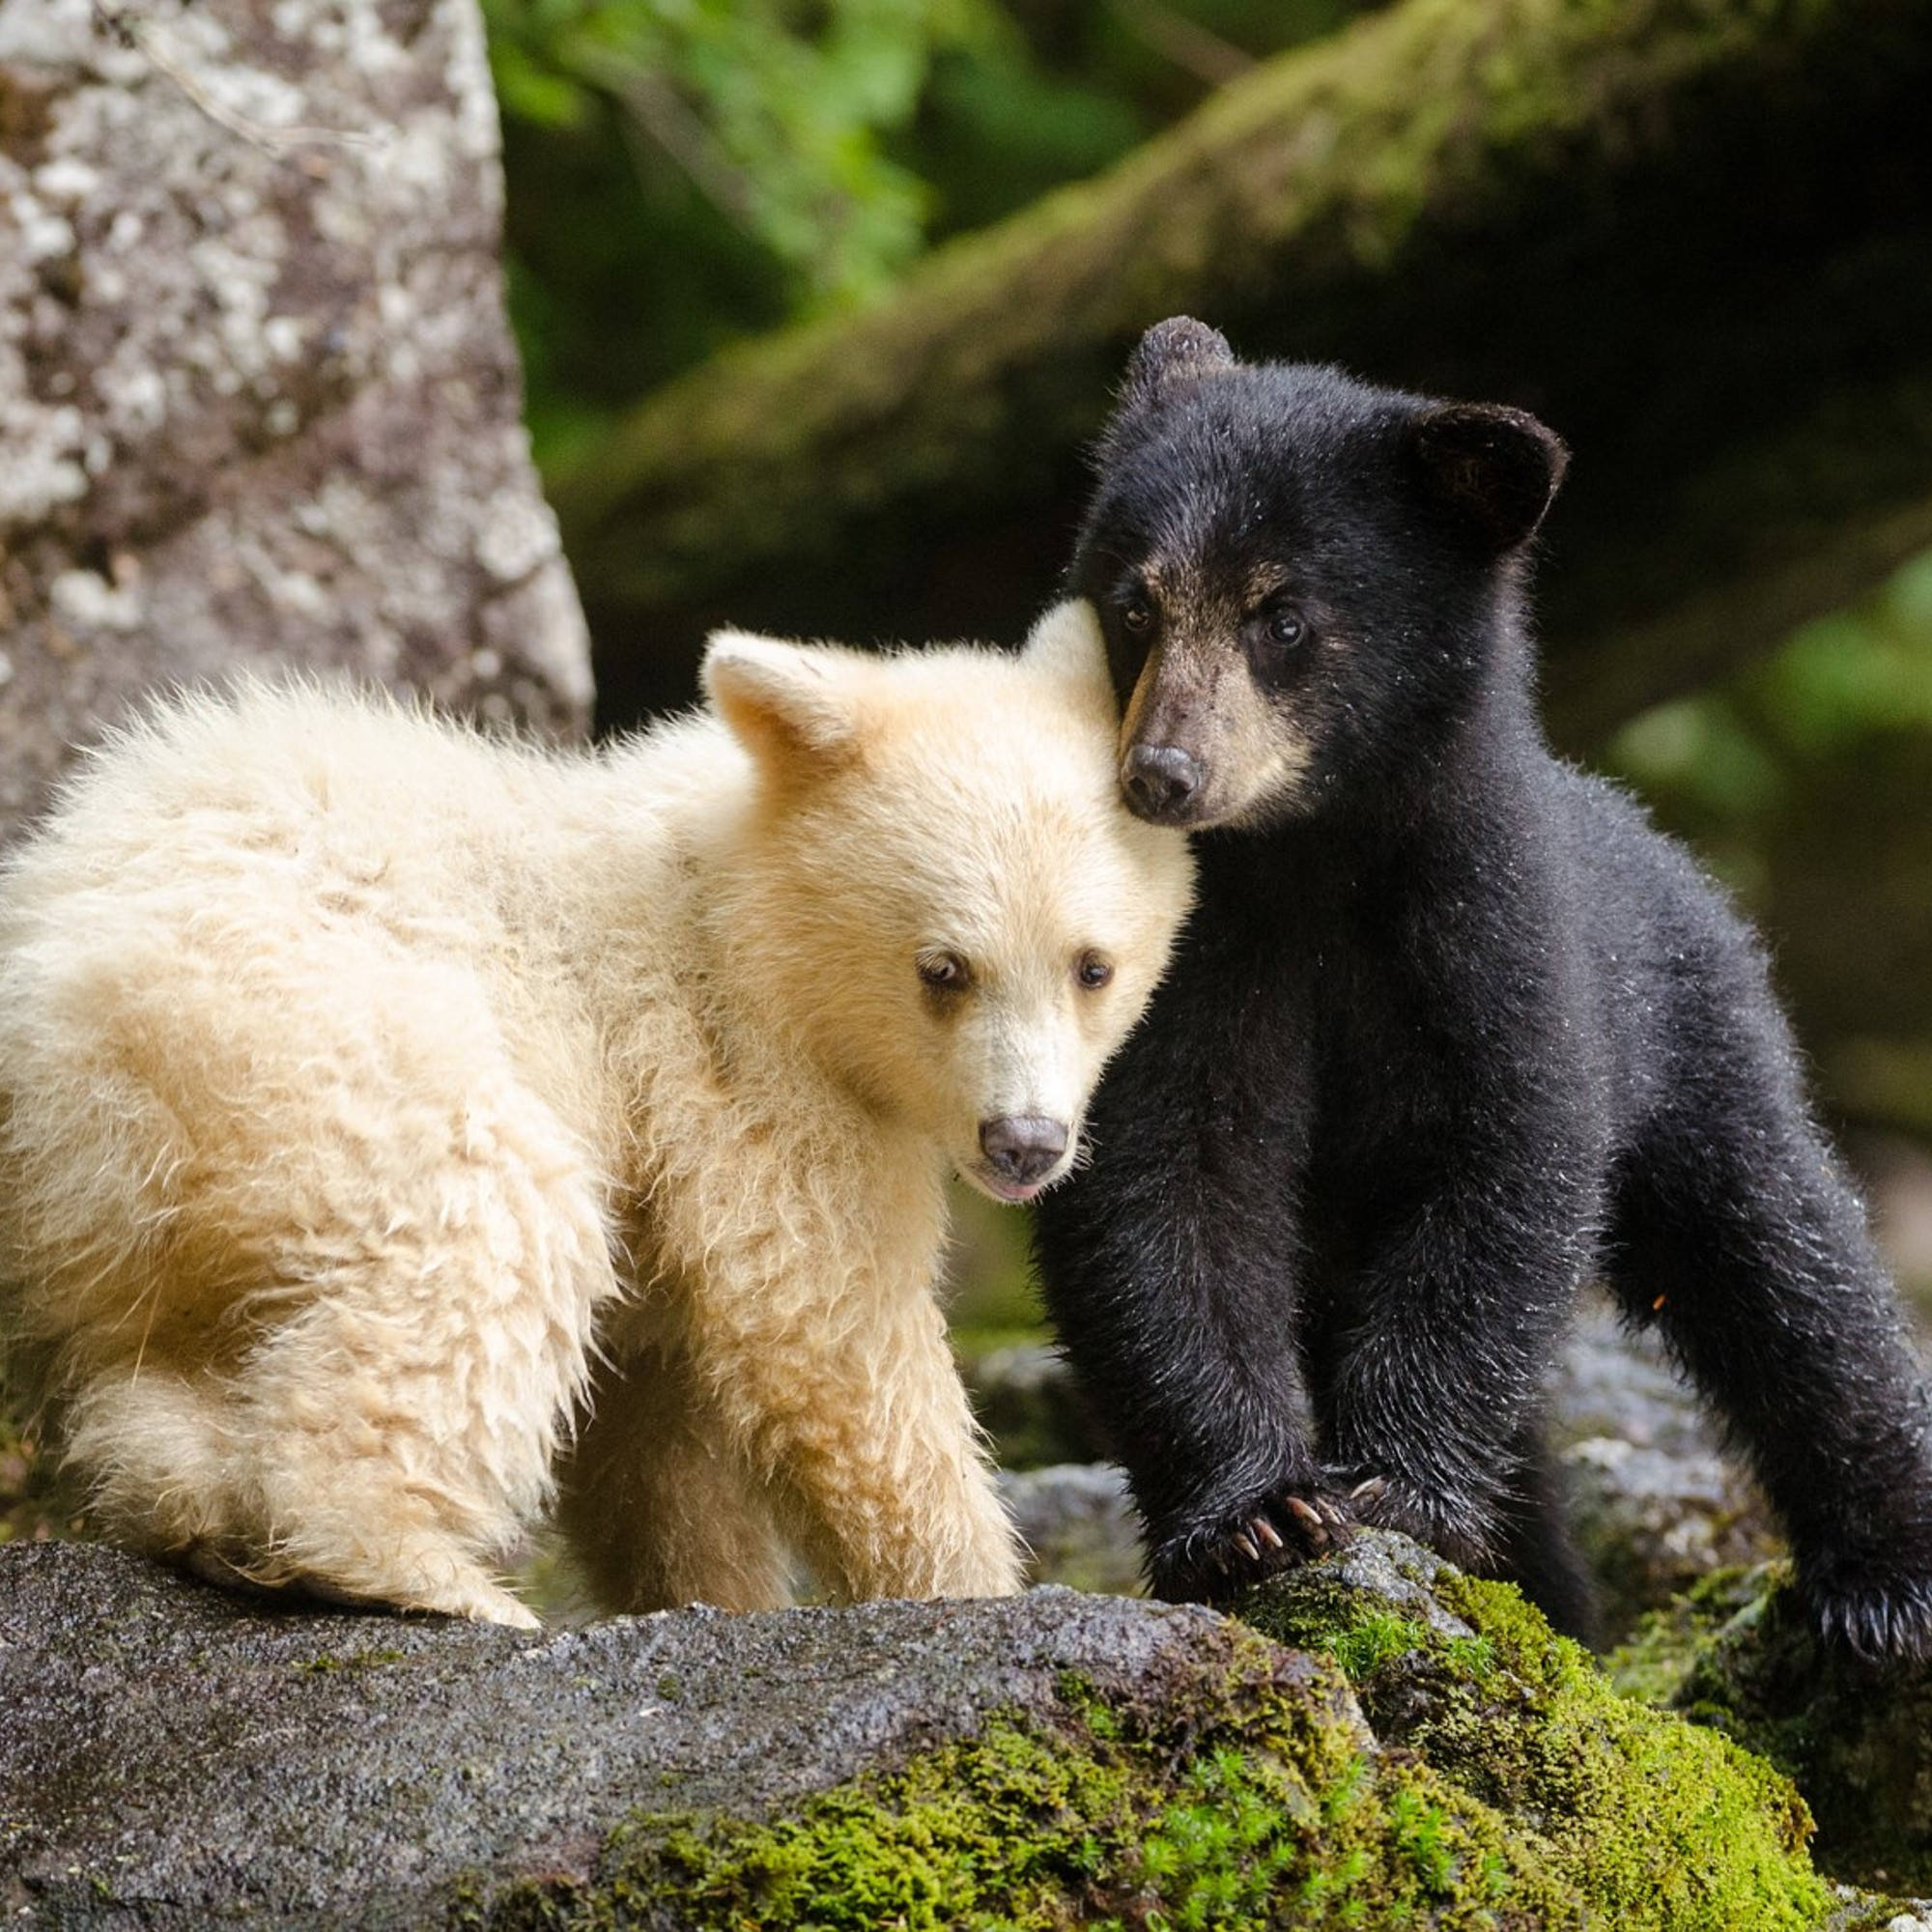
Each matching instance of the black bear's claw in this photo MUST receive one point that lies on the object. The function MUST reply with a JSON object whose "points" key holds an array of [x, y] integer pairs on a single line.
{"points": [[1879, 1623], [1323, 1525], [1213, 1564]]}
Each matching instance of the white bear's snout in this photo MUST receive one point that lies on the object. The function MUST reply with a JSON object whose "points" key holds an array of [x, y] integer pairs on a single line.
{"points": [[1019, 1154]]}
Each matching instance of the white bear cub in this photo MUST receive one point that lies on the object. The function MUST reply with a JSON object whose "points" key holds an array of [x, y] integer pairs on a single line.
{"points": [[401, 1131]]}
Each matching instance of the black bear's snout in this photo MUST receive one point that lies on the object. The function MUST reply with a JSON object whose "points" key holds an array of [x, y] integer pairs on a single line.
{"points": [[1161, 782], [1022, 1148]]}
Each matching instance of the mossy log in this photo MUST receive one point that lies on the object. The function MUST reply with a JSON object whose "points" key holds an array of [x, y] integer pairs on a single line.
{"points": [[1695, 235]]}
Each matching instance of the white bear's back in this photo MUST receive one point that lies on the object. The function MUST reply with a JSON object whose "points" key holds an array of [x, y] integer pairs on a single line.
{"points": [[259, 961]]}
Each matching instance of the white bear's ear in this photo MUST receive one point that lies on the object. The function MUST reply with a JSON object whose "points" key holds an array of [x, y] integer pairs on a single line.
{"points": [[789, 705], [1068, 643]]}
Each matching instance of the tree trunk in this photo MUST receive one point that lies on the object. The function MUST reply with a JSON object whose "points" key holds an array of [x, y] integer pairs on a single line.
{"points": [[258, 395], [1695, 235]]}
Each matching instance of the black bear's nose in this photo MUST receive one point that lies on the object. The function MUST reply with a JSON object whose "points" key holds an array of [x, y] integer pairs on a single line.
{"points": [[1021, 1148], [1161, 781]]}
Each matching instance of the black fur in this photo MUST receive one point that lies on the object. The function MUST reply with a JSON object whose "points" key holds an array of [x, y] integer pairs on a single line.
{"points": [[1452, 1032]]}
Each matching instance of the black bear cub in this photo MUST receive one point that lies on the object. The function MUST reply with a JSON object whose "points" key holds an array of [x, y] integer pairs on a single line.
{"points": [[1452, 1032]]}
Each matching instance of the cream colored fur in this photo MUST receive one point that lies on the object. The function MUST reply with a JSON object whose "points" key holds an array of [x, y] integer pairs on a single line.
{"points": [[401, 1131]]}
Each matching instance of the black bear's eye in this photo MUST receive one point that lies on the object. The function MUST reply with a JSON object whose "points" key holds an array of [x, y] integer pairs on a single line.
{"points": [[1093, 970], [943, 972], [1286, 628], [1136, 612]]}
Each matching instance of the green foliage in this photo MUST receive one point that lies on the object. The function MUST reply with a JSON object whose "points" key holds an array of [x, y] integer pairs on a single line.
{"points": [[1726, 763], [684, 173], [1807, 779], [774, 111]]}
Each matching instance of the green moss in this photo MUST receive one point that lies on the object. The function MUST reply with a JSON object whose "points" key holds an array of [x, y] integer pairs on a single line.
{"points": [[1262, 1807], [328, 1663], [1652, 1662], [1652, 1821], [1853, 1737]]}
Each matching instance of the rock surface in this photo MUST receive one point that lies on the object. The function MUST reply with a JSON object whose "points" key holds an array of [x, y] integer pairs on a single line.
{"points": [[166, 1747], [1655, 1502], [1077, 1521], [257, 393], [173, 1757]]}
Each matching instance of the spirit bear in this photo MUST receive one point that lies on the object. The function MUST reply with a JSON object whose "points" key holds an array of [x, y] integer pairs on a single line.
{"points": [[1452, 1032], [398, 1127]]}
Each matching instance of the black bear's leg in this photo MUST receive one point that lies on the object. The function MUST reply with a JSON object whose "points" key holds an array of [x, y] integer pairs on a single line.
{"points": [[1736, 1233], [1170, 1265], [1184, 1341], [1454, 1313]]}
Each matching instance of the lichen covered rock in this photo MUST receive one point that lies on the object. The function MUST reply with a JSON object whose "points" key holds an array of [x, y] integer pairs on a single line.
{"points": [[257, 388]]}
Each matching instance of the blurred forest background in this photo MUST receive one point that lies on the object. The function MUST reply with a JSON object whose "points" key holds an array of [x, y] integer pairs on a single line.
{"points": [[814, 330]]}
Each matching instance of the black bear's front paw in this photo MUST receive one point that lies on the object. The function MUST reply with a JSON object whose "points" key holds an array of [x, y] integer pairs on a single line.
{"points": [[1216, 1563], [1454, 1524]]}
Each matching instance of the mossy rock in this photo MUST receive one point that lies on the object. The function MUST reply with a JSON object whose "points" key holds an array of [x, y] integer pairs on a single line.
{"points": [[1738, 1655], [1499, 1782], [1262, 1803], [181, 1757], [1649, 1820]]}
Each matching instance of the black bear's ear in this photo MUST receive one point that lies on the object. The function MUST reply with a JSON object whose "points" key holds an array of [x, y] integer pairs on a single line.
{"points": [[1494, 469], [1179, 347]]}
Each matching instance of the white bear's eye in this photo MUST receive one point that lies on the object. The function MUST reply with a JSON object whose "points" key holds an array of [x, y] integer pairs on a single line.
{"points": [[944, 972], [1093, 970]]}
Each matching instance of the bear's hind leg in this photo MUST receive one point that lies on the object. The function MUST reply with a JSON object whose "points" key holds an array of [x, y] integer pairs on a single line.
{"points": [[197, 1476], [658, 1509], [1738, 1237]]}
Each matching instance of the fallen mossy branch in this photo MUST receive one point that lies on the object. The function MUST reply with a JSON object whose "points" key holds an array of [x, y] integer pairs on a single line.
{"points": [[1686, 231]]}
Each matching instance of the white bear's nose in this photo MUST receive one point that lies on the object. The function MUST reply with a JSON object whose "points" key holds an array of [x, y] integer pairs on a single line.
{"points": [[1021, 1148]]}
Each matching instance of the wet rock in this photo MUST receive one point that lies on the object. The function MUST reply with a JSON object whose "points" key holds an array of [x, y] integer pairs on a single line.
{"points": [[1077, 1521], [168, 1749], [1655, 1504]]}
